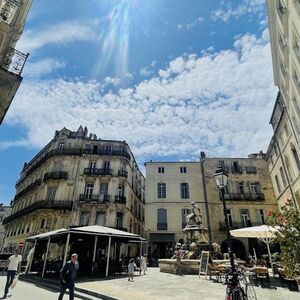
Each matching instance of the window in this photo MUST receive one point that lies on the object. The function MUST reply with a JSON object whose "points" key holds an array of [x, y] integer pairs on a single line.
{"points": [[48, 223], [184, 190], [289, 168], [286, 130], [92, 165], [260, 216], [108, 149], [119, 220], [106, 165], [184, 213], [100, 218], [84, 218], [240, 187], [51, 193], [57, 166], [296, 158], [222, 165], [255, 188], [161, 170], [89, 190], [229, 217], [161, 190], [162, 223], [182, 169], [276, 150], [282, 177], [236, 168], [61, 147], [245, 218], [277, 184], [43, 223], [95, 149]]}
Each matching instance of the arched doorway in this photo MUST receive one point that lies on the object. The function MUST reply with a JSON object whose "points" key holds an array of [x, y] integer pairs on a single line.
{"points": [[238, 248]]}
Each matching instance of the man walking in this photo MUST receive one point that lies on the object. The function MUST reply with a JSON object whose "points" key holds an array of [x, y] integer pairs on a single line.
{"points": [[13, 265], [67, 276]]}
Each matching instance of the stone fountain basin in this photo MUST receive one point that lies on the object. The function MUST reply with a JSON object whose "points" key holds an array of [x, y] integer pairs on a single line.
{"points": [[188, 266]]}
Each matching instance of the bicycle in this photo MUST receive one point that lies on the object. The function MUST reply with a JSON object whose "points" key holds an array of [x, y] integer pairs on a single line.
{"points": [[238, 287]]}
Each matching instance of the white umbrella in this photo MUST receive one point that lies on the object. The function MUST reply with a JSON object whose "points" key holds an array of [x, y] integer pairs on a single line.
{"points": [[264, 233]]}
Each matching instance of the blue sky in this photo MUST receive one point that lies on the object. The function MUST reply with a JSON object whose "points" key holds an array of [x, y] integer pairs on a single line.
{"points": [[171, 77]]}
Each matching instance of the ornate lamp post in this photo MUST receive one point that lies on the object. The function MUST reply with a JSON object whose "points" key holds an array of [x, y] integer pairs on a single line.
{"points": [[222, 180]]}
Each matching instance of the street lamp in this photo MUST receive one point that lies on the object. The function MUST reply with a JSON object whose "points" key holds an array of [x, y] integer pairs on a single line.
{"points": [[221, 178]]}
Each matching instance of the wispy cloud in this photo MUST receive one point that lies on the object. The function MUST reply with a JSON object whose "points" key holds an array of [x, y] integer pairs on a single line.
{"points": [[219, 102], [227, 10], [191, 25], [61, 33]]}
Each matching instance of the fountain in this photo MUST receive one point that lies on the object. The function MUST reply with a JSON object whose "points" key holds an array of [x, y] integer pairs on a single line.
{"points": [[195, 240]]}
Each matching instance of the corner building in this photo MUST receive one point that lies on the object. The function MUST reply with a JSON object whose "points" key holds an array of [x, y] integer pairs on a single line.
{"points": [[77, 180]]}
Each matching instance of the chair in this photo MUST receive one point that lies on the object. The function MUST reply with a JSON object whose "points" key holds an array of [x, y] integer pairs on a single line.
{"points": [[261, 275], [213, 271]]}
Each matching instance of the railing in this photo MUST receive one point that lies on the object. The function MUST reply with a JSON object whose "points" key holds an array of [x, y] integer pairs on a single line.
{"points": [[30, 187], [237, 170], [251, 170], [8, 10], [56, 175], [237, 225], [162, 226], [96, 171], [114, 152], [120, 199], [13, 61], [245, 197], [123, 173], [43, 204], [94, 197]]}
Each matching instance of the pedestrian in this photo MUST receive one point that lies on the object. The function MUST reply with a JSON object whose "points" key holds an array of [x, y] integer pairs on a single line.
{"points": [[13, 265], [131, 267], [144, 263], [67, 276]]}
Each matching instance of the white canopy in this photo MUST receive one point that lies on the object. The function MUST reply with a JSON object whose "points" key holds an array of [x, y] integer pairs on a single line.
{"points": [[264, 233]]}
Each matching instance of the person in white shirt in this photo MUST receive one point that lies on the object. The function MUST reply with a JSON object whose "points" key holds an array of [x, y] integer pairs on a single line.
{"points": [[13, 265]]}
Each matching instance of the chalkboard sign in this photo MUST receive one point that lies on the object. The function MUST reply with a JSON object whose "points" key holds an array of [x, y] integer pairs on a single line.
{"points": [[204, 260]]}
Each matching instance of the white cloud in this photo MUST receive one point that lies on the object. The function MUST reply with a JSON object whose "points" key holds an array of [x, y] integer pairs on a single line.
{"points": [[146, 72], [61, 33], [219, 102], [191, 25], [226, 11]]}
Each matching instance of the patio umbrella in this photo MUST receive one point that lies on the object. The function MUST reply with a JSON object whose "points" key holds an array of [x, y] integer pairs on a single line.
{"points": [[264, 233]]}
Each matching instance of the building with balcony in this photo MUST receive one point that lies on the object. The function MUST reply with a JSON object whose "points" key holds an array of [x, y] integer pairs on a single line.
{"points": [[12, 20], [283, 151], [172, 186], [77, 180], [4, 212]]}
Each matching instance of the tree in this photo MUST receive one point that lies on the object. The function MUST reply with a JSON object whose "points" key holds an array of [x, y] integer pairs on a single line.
{"points": [[288, 236]]}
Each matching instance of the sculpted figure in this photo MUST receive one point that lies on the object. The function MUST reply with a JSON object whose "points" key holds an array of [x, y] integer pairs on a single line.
{"points": [[194, 218]]}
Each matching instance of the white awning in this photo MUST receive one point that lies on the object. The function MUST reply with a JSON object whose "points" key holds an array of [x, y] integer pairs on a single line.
{"points": [[260, 232]]}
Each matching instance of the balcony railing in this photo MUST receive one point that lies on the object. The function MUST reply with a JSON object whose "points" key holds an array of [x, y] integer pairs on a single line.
{"points": [[123, 173], [56, 175], [43, 204], [251, 170], [8, 10], [162, 226], [30, 187], [13, 61], [114, 152], [97, 172], [244, 197], [120, 199], [94, 197], [237, 225]]}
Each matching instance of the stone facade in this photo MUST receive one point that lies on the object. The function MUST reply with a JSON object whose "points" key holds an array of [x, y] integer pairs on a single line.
{"points": [[12, 20], [5, 211], [77, 179], [249, 195], [283, 151]]}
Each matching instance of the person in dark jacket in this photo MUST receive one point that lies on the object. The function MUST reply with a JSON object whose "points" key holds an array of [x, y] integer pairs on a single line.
{"points": [[67, 276]]}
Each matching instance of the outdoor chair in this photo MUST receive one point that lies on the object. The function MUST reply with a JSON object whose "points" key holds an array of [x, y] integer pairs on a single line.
{"points": [[261, 275], [213, 271]]}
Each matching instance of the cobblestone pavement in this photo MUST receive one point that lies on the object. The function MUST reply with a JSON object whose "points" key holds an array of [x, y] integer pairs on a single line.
{"points": [[162, 286]]}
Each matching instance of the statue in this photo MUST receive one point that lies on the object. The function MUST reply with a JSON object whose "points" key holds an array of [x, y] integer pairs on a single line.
{"points": [[194, 219]]}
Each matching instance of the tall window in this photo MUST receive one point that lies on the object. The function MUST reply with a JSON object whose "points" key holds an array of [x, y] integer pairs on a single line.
{"points": [[289, 168], [161, 190], [286, 130], [61, 147], [84, 218], [236, 168], [229, 217], [119, 220], [182, 169], [184, 190], [51, 193], [283, 177], [89, 190], [108, 149], [100, 218], [255, 188], [240, 187], [92, 164], [296, 157], [245, 217], [278, 184], [106, 165], [161, 170], [222, 165], [260, 216], [184, 213], [103, 191], [162, 223]]}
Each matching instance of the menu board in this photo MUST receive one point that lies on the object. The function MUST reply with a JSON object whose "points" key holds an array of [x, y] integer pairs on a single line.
{"points": [[204, 260]]}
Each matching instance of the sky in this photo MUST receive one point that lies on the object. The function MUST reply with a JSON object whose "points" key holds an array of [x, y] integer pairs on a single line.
{"points": [[171, 77]]}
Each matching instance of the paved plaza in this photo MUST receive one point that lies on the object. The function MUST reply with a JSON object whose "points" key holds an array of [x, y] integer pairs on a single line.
{"points": [[163, 286]]}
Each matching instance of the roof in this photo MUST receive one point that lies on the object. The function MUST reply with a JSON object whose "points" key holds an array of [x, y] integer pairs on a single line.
{"points": [[95, 229]]}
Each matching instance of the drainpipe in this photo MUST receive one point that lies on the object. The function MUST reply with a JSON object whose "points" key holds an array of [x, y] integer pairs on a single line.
{"points": [[202, 160]]}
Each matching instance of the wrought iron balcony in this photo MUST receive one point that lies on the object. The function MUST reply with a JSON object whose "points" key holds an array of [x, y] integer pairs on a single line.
{"points": [[237, 225], [56, 175], [251, 170], [8, 10], [114, 152], [43, 204], [123, 173], [162, 226], [97, 172], [244, 197], [102, 198], [30, 187], [13, 61], [120, 199]]}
